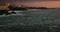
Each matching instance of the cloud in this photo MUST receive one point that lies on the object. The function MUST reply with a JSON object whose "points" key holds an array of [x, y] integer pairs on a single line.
{"points": [[12, 1], [30, 0], [3, 1]]}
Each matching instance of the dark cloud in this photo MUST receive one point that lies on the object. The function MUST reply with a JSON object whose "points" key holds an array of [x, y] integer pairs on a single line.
{"points": [[30, 0], [12, 1], [3, 1]]}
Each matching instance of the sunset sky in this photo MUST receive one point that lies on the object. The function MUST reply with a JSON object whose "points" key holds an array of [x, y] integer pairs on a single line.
{"points": [[35, 3]]}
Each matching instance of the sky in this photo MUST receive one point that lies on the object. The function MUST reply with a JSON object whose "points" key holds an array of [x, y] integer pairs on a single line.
{"points": [[35, 3]]}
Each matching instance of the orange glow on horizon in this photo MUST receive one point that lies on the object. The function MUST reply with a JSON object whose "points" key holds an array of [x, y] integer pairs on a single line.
{"points": [[50, 4]]}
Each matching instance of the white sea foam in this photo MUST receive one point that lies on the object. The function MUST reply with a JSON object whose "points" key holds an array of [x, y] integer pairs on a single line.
{"points": [[10, 15], [16, 11]]}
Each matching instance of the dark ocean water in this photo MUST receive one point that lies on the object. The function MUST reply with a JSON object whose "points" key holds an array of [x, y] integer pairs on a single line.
{"points": [[32, 20]]}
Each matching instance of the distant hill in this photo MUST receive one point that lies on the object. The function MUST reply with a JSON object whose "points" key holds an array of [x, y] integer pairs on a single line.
{"points": [[37, 7]]}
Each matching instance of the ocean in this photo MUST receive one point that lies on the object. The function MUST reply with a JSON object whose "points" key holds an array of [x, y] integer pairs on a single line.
{"points": [[31, 20]]}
